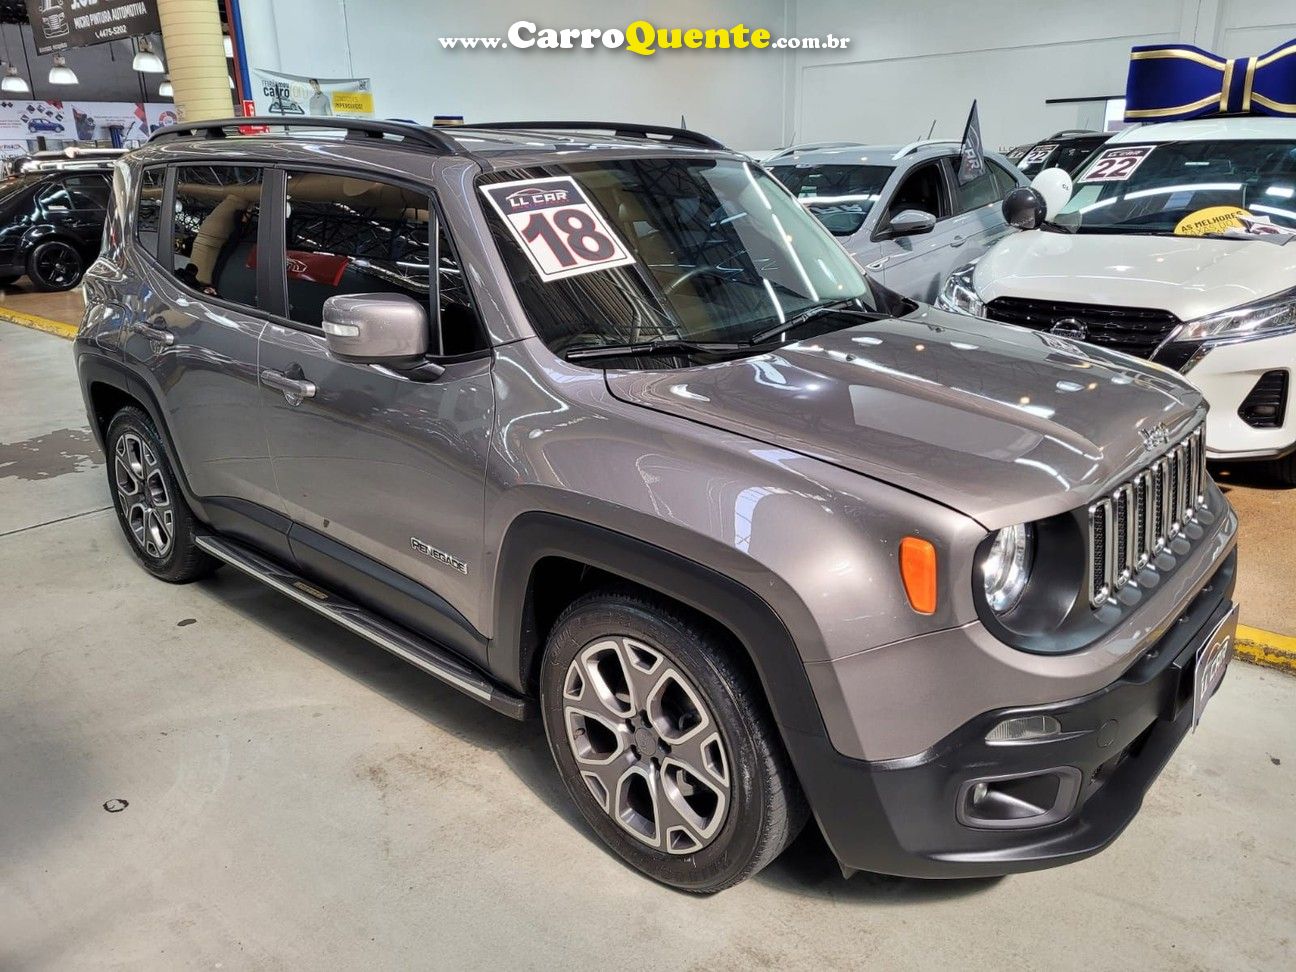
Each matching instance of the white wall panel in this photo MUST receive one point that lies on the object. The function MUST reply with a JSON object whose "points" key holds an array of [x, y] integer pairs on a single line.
{"points": [[910, 61], [736, 95]]}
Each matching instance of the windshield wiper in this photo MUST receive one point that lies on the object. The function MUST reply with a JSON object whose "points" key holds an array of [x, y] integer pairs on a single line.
{"points": [[649, 348], [813, 313]]}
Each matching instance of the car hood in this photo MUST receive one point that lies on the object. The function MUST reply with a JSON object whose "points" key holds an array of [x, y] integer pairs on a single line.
{"points": [[1186, 275], [1000, 423]]}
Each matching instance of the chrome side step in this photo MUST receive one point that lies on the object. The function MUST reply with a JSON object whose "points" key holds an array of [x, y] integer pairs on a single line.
{"points": [[418, 651]]}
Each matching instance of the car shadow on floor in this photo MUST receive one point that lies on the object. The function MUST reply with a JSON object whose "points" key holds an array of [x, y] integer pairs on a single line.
{"points": [[1253, 475], [806, 868]]}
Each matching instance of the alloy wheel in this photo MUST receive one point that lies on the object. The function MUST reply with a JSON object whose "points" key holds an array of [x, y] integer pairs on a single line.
{"points": [[142, 491], [58, 264], [646, 746]]}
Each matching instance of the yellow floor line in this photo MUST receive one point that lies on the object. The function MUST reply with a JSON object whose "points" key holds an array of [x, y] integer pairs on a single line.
{"points": [[1266, 648], [45, 324]]}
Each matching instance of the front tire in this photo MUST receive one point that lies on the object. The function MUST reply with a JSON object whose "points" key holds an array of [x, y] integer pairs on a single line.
{"points": [[664, 744], [1284, 470], [158, 524], [55, 265]]}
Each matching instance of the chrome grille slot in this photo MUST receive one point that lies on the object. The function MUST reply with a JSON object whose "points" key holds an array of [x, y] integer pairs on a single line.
{"points": [[1099, 552], [1172, 490], [1141, 516]]}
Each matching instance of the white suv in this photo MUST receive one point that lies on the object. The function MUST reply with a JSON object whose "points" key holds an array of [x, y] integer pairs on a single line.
{"points": [[1114, 267]]}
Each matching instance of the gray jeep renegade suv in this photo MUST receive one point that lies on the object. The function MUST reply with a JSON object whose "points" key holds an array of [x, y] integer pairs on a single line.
{"points": [[596, 421]]}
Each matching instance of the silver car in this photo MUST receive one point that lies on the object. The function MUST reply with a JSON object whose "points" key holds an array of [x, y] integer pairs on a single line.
{"points": [[595, 423], [898, 209]]}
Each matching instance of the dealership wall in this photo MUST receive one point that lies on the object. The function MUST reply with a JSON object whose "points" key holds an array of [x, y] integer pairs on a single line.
{"points": [[911, 62], [738, 95], [914, 62]]}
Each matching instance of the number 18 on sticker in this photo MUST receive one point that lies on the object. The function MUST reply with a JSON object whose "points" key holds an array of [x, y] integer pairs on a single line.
{"points": [[557, 226]]}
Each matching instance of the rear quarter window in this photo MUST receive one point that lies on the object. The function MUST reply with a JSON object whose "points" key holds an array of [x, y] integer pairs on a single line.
{"points": [[148, 209]]}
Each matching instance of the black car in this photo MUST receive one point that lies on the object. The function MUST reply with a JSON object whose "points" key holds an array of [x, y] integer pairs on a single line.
{"points": [[51, 224], [1066, 150]]}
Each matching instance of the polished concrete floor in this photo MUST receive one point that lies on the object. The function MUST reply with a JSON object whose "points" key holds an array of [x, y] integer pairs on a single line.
{"points": [[295, 798]]}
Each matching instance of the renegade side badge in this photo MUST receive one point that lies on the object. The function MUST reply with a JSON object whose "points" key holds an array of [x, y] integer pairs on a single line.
{"points": [[440, 556]]}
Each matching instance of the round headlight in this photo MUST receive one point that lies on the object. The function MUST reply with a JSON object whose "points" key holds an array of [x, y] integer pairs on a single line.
{"points": [[1006, 567]]}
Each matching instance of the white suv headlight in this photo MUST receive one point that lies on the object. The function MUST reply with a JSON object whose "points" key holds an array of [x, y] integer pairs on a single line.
{"points": [[1007, 566], [1262, 318], [958, 294]]}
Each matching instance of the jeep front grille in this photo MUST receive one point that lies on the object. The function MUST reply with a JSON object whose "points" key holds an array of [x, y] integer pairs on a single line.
{"points": [[1135, 522]]}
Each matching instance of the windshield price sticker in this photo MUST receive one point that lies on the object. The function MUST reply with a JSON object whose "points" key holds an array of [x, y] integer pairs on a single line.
{"points": [[1117, 164], [1037, 155], [557, 226]]}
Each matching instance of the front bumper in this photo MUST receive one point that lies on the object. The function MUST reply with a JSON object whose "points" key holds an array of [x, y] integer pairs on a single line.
{"points": [[1226, 375], [903, 816]]}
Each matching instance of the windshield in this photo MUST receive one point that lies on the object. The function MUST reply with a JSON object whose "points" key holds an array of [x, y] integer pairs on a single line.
{"points": [[1151, 188], [840, 196], [714, 251]]}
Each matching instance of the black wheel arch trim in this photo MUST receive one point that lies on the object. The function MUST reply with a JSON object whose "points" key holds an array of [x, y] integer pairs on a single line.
{"points": [[98, 369], [756, 625]]}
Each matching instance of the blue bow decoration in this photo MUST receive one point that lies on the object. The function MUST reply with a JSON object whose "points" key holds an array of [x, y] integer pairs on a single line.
{"points": [[1171, 82]]}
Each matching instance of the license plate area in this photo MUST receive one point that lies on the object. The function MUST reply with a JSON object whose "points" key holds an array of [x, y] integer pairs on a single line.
{"points": [[1213, 656]]}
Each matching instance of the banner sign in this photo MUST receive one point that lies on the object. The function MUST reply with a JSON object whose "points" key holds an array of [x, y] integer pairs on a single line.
{"points": [[276, 93], [60, 24], [82, 121]]}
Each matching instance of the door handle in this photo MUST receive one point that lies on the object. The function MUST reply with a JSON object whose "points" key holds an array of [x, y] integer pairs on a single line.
{"points": [[292, 388], [159, 334], [958, 241], [876, 264]]}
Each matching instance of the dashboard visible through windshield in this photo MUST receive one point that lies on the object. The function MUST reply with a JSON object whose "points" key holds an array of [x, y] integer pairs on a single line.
{"points": [[1156, 186], [717, 250]]}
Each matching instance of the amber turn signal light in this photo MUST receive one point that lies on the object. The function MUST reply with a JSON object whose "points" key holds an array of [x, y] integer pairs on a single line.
{"points": [[918, 571]]}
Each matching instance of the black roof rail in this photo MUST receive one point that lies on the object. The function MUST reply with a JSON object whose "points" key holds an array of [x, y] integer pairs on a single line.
{"points": [[623, 129], [356, 128]]}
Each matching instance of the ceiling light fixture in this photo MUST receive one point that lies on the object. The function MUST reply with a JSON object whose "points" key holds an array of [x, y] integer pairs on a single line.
{"points": [[146, 62], [165, 89], [60, 73], [14, 82]]}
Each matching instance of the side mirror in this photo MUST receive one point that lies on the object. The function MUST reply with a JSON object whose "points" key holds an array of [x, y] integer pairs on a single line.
{"points": [[1054, 185], [911, 222], [1024, 208], [376, 328]]}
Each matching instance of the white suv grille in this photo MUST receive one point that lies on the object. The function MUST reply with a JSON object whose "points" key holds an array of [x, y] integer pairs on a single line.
{"points": [[1132, 525]]}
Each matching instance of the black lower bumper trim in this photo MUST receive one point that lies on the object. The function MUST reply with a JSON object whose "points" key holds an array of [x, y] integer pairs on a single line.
{"points": [[902, 816]]}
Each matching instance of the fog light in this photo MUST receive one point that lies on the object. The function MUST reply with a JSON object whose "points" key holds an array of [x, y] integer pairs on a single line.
{"points": [[1024, 729]]}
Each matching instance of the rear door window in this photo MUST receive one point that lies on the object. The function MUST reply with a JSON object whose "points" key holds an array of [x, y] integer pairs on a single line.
{"points": [[217, 215]]}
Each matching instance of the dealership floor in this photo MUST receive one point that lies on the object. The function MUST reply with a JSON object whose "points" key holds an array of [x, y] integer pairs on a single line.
{"points": [[294, 796]]}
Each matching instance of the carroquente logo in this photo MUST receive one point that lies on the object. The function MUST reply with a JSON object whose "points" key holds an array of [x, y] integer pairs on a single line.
{"points": [[644, 38]]}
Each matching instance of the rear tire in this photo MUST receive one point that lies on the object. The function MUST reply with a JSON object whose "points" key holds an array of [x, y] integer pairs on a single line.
{"points": [[55, 265], [664, 743], [158, 524]]}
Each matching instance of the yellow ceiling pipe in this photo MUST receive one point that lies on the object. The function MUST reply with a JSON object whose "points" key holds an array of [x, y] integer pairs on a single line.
{"points": [[195, 55]]}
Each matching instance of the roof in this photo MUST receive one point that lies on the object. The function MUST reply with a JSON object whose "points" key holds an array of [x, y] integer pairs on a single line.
{"points": [[888, 155], [1226, 128], [494, 144]]}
